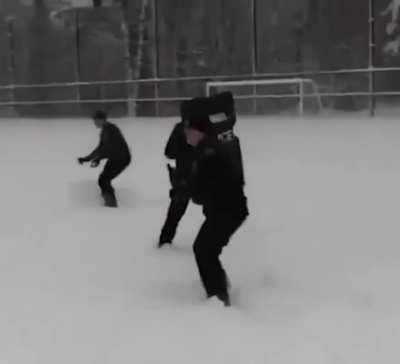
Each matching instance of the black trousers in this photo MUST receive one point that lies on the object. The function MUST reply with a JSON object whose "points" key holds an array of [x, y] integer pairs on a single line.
{"points": [[213, 235], [111, 170], [177, 208]]}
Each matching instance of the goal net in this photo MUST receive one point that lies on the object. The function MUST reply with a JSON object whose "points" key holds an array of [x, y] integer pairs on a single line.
{"points": [[271, 96]]}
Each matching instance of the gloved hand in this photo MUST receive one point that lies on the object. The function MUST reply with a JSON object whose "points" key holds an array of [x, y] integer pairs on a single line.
{"points": [[94, 163], [81, 160]]}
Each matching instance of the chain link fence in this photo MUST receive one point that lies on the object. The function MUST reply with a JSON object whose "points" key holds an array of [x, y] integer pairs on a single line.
{"points": [[209, 40]]}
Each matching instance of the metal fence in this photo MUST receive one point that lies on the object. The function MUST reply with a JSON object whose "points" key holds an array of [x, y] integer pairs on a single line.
{"points": [[147, 56], [347, 90]]}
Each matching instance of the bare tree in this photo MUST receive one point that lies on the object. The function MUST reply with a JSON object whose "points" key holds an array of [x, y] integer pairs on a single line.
{"points": [[135, 27]]}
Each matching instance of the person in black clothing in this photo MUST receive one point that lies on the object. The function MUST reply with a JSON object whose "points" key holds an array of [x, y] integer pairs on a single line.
{"points": [[178, 150], [114, 148], [217, 184]]}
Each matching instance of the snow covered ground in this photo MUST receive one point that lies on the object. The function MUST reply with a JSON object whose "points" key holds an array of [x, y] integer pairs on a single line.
{"points": [[315, 269]]}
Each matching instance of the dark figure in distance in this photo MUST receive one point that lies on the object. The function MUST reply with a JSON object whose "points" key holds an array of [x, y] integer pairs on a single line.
{"points": [[216, 184], [177, 149], [114, 148]]}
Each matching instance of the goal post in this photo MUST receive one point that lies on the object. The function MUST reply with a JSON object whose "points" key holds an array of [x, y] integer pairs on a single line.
{"points": [[300, 94]]}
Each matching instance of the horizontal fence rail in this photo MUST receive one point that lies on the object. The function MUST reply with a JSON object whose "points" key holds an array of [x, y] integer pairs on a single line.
{"points": [[205, 78], [369, 89]]}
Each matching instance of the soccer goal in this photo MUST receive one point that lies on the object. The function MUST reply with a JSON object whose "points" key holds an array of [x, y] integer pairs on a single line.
{"points": [[299, 89]]}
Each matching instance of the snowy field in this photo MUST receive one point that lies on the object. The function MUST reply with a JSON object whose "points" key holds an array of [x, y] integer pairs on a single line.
{"points": [[315, 269]]}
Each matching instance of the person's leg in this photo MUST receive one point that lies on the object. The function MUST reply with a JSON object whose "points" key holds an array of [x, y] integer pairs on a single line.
{"points": [[202, 249], [177, 208], [104, 180], [214, 234], [227, 226], [207, 248], [111, 170]]}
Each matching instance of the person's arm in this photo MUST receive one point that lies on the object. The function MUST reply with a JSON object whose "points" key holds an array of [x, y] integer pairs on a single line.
{"points": [[98, 153], [171, 148]]}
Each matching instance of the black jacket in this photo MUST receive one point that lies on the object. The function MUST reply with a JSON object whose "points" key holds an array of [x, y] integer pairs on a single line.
{"points": [[178, 149], [112, 145], [217, 178]]}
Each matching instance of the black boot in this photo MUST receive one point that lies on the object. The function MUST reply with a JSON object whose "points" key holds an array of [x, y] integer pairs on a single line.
{"points": [[163, 242], [109, 200], [224, 297]]}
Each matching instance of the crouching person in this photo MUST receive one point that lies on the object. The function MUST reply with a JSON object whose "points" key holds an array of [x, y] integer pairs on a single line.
{"points": [[114, 148], [217, 184]]}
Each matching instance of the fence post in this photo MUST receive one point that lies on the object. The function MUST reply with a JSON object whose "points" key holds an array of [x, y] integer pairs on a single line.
{"points": [[371, 53], [371, 90], [155, 55], [254, 51], [11, 65], [78, 56], [301, 98]]}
